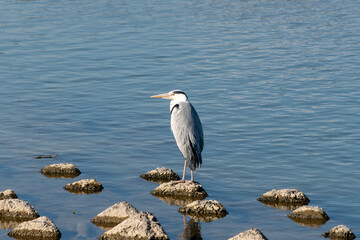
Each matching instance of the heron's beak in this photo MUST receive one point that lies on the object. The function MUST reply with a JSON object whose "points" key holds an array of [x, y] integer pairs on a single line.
{"points": [[165, 95]]}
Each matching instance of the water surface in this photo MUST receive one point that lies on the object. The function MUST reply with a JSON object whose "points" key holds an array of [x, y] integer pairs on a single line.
{"points": [[276, 85]]}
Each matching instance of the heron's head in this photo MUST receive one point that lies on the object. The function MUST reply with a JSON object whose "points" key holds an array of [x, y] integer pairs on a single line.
{"points": [[174, 95]]}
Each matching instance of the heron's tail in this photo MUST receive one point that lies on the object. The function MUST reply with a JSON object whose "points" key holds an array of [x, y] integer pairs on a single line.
{"points": [[196, 160]]}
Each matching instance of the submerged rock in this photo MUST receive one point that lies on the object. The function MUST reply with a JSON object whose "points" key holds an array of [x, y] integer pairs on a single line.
{"points": [[40, 228], [205, 210], [340, 232], [8, 194], [115, 214], [284, 196], [84, 186], [65, 170], [143, 225], [192, 190], [46, 156], [309, 216], [17, 209], [251, 234], [160, 175]]}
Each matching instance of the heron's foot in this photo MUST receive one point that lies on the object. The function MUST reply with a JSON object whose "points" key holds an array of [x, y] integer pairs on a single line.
{"points": [[189, 181], [180, 181]]}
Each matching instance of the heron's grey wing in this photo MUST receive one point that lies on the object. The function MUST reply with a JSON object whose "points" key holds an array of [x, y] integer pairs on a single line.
{"points": [[198, 131], [188, 133]]}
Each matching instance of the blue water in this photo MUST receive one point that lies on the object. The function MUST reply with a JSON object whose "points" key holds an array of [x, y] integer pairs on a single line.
{"points": [[276, 85]]}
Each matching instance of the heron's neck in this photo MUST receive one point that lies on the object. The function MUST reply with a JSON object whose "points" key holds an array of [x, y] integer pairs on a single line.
{"points": [[177, 101]]}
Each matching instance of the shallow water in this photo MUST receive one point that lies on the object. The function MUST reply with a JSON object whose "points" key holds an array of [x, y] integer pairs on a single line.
{"points": [[276, 85]]}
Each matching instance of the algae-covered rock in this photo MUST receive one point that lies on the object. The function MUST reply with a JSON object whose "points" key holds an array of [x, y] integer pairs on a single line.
{"points": [[340, 232], [160, 174], [192, 190], [143, 225], [8, 194], [251, 234], [84, 186], [17, 209], [309, 215], [205, 210], [284, 196], [61, 170], [115, 214], [39, 228]]}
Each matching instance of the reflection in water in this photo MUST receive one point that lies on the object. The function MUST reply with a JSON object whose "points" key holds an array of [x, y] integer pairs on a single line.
{"points": [[313, 223], [177, 201], [59, 175], [105, 226], [282, 206], [191, 230], [9, 223]]}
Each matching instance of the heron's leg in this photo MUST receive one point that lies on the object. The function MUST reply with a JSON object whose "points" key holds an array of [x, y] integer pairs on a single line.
{"points": [[192, 176], [183, 178]]}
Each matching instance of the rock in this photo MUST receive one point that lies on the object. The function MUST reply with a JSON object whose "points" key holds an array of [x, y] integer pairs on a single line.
{"points": [[192, 190], [46, 156], [309, 216], [205, 210], [115, 214], [340, 232], [65, 170], [143, 225], [8, 194], [39, 228], [251, 234], [160, 175], [84, 186], [284, 196], [17, 209]]}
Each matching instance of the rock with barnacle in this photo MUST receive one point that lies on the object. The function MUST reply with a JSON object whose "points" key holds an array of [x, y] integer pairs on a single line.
{"points": [[8, 194], [309, 216], [143, 225], [61, 170], [160, 174], [192, 190], [340, 232], [84, 186], [39, 228], [251, 234], [115, 214], [284, 196], [17, 209], [205, 210]]}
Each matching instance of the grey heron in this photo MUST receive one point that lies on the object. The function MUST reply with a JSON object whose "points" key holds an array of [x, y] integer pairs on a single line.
{"points": [[186, 128]]}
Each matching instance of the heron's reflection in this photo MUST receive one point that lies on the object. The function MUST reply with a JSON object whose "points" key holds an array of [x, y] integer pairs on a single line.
{"points": [[191, 230]]}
